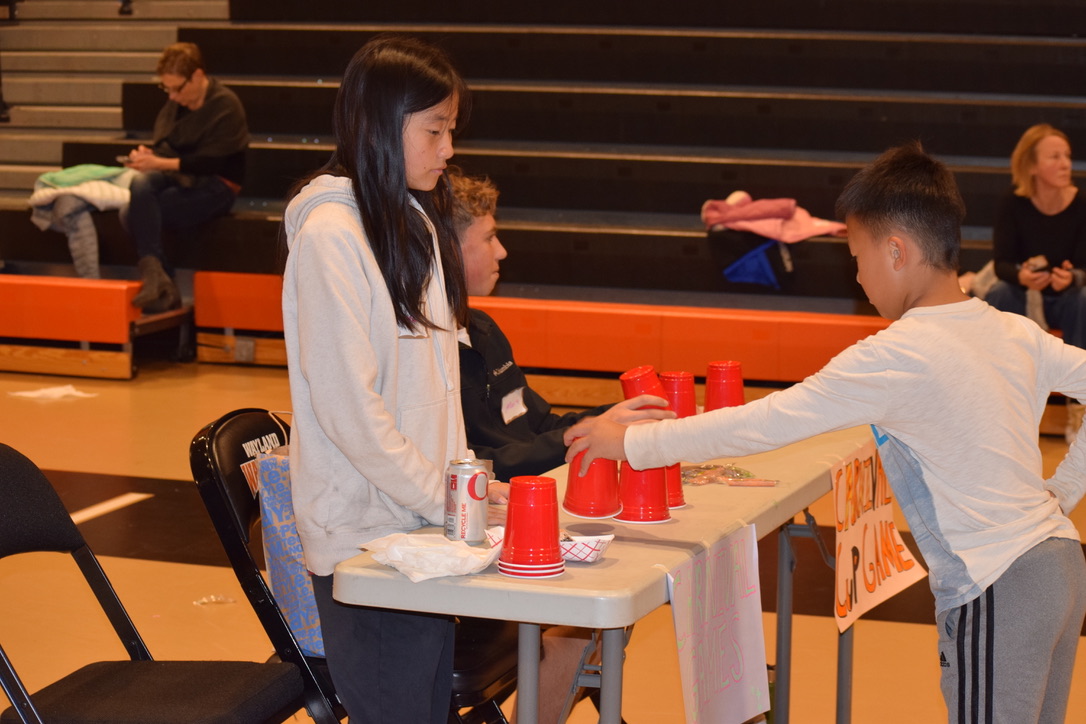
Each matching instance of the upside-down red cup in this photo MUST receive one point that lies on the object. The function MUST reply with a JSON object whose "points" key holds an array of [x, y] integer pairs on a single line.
{"points": [[679, 391], [641, 381], [643, 494], [723, 385], [594, 494], [673, 482], [531, 524]]}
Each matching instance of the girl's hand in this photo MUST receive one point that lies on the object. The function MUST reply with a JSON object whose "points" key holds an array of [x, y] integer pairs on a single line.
{"points": [[498, 495], [497, 492]]}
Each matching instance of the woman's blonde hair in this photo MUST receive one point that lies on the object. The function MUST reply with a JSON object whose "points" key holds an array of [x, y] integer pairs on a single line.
{"points": [[1024, 157]]}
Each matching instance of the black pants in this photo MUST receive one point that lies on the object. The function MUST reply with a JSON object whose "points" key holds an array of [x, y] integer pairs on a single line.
{"points": [[163, 201], [387, 666]]}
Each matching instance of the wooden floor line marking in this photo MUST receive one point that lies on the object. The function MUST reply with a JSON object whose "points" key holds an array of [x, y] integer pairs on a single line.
{"points": [[108, 506]]}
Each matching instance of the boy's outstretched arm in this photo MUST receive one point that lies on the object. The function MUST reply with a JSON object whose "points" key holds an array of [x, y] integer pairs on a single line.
{"points": [[599, 438], [602, 436]]}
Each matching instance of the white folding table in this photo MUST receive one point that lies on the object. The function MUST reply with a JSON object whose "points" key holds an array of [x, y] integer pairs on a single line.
{"points": [[631, 579]]}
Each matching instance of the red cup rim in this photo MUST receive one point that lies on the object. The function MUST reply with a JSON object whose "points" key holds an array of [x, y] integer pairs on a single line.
{"points": [[532, 574], [647, 521], [511, 574], [527, 565], [591, 515], [639, 371]]}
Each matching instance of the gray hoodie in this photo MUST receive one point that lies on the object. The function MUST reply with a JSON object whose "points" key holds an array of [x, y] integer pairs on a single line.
{"points": [[376, 407]]}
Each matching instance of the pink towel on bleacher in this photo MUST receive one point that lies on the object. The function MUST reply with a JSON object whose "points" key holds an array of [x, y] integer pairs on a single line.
{"points": [[779, 219]]}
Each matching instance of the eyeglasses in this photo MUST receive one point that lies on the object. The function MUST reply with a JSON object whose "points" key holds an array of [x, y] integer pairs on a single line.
{"points": [[173, 91]]}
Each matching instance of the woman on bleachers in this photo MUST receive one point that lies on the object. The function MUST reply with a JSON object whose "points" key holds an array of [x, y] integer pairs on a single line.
{"points": [[1039, 244], [1039, 237], [372, 296], [191, 173]]}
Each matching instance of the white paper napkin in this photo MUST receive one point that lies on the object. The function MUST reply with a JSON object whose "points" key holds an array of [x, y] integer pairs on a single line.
{"points": [[421, 556], [53, 393]]}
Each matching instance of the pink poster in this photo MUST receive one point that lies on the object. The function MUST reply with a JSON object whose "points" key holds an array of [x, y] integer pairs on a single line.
{"points": [[716, 606]]}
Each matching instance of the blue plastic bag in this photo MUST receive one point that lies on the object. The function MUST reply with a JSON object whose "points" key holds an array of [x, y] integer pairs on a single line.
{"points": [[290, 582]]}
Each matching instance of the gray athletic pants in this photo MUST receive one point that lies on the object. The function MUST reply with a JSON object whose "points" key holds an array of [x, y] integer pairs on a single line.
{"points": [[1007, 656]]}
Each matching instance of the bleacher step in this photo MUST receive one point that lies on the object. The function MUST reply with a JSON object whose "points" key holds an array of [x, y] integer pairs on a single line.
{"points": [[42, 145], [15, 176], [54, 61], [141, 10], [87, 36], [73, 117], [29, 89]]}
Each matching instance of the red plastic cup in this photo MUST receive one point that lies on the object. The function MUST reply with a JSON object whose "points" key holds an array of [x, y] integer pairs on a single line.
{"points": [[531, 524], [673, 478], [724, 385], [641, 381], [679, 391], [643, 494], [594, 494]]}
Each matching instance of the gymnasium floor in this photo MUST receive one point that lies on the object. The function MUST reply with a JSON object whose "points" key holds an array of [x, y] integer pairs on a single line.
{"points": [[131, 437]]}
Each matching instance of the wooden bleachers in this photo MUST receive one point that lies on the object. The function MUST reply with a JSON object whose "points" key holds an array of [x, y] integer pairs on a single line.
{"points": [[239, 318], [1041, 17], [606, 130], [80, 327]]}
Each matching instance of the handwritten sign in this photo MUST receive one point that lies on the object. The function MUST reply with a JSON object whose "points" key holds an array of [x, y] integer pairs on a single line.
{"points": [[716, 606], [873, 563]]}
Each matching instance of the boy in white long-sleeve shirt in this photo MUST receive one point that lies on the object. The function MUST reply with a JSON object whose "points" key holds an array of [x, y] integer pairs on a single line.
{"points": [[954, 390]]}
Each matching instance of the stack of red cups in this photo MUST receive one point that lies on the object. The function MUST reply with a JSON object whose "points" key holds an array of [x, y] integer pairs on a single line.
{"points": [[679, 391], [644, 493]]}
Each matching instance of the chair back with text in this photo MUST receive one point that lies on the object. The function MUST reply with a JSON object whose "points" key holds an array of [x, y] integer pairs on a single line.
{"points": [[216, 456], [138, 690], [484, 668]]}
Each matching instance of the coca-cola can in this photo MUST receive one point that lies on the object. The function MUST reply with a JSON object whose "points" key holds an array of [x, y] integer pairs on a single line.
{"points": [[466, 500]]}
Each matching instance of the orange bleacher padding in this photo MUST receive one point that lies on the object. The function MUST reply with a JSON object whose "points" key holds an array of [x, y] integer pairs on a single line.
{"points": [[62, 308], [772, 345], [228, 300], [597, 336]]}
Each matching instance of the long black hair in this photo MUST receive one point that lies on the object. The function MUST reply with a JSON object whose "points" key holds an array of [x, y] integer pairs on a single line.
{"points": [[388, 79]]}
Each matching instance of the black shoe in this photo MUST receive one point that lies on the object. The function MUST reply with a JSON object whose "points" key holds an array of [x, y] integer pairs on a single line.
{"points": [[157, 293], [5, 115], [125, 8]]}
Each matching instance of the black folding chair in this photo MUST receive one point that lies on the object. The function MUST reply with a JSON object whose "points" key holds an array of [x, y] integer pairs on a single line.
{"points": [[486, 651], [134, 691]]}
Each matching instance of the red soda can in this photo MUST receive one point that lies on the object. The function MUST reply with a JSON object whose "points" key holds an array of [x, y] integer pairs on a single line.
{"points": [[466, 501]]}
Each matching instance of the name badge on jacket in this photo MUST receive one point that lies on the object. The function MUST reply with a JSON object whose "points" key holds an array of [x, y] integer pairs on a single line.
{"points": [[513, 405]]}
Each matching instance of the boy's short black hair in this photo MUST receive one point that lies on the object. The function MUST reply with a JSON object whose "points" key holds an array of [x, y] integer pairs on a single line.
{"points": [[907, 189]]}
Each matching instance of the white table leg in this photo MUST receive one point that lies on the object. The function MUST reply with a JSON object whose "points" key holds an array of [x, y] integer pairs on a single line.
{"points": [[528, 673]]}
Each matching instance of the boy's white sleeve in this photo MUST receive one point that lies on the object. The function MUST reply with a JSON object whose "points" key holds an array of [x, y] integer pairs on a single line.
{"points": [[842, 395], [1068, 483]]}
